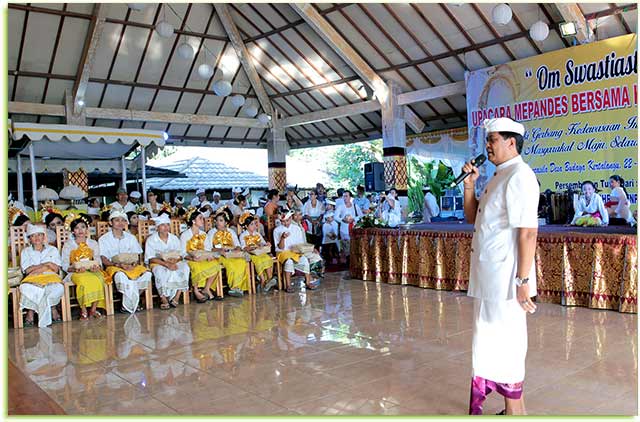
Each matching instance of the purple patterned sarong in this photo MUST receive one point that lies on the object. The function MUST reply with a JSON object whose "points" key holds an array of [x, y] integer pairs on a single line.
{"points": [[481, 388]]}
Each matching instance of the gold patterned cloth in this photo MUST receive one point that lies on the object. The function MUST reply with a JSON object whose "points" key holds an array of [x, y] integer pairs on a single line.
{"points": [[224, 238], [196, 243], [598, 271]]}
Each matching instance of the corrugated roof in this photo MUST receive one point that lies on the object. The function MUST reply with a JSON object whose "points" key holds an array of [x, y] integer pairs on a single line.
{"points": [[202, 173]]}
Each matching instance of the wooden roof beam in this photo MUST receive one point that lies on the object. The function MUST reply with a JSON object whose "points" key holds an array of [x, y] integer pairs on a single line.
{"points": [[324, 29], [224, 13], [88, 55], [406, 98], [570, 12], [136, 115]]}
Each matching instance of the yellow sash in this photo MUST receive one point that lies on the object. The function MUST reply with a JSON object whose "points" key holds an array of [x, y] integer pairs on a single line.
{"points": [[133, 273], [224, 238], [252, 240], [196, 243], [284, 255], [42, 279]]}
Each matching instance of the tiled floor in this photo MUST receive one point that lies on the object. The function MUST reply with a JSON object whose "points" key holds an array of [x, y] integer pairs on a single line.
{"points": [[348, 348]]}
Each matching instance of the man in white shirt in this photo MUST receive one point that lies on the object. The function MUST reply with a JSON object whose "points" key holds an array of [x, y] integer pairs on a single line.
{"points": [[134, 197], [285, 236], [122, 202], [216, 203], [347, 215], [502, 275], [199, 199], [430, 205], [234, 194], [130, 279]]}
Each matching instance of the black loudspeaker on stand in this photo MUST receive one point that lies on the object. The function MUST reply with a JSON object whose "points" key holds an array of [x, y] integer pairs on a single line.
{"points": [[374, 177]]}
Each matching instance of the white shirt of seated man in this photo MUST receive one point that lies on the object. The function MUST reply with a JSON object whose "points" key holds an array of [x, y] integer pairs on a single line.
{"points": [[293, 235]]}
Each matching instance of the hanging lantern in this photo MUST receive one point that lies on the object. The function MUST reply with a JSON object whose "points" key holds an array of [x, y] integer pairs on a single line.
{"points": [[46, 194], [164, 29], [138, 7], [251, 111], [222, 88], [539, 31], [501, 14], [205, 71], [264, 118], [185, 51], [237, 100], [72, 192]]}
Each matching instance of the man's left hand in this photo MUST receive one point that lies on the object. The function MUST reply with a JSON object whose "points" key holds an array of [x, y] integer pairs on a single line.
{"points": [[524, 300]]}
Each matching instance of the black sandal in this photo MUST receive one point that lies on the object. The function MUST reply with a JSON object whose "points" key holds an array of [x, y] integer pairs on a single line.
{"points": [[28, 323], [173, 304], [502, 412]]}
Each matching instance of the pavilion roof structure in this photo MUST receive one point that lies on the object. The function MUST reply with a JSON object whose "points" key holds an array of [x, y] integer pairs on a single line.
{"points": [[128, 76]]}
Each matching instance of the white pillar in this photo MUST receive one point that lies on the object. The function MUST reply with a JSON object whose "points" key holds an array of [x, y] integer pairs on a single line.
{"points": [[124, 173], [394, 139], [143, 161], [20, 180], [277, 149], [34, 183]]}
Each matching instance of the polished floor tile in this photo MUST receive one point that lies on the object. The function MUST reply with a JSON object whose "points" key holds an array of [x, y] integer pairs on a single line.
{"points": [[348, 348]]}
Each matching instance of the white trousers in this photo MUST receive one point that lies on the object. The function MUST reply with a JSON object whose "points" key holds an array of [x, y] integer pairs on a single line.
{"points": [[499, 347], [302, 265], [131, 289], [40, 299], [170, 282]]}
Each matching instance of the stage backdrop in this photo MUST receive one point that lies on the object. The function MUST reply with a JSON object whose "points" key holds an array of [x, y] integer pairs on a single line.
{"points": [[579, 106]]}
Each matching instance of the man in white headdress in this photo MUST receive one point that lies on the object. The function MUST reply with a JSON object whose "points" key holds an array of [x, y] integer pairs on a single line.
{"points": [[215, 202], [285, 236], [430, 206], [130, 279], [41, 289], [135, 197], [199, 199], [171, 273], [502, 275], [234, 194]]}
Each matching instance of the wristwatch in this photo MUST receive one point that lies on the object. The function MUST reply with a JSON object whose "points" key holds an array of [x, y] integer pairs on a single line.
{"points": [[521, 281]]}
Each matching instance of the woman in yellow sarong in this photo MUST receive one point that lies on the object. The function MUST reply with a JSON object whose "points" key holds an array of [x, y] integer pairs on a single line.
{"points": [[203, 271], [250, 239], [41, 289], [221, 239], [89, 282]]}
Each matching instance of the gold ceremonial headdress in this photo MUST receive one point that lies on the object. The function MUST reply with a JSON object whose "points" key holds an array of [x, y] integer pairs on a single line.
{"points": [[47, 208], [225, 212], [190, 212], [246, 218], [71, 217]]}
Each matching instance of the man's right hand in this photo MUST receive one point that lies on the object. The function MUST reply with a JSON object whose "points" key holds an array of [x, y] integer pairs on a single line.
{"points": [[470, 181]]}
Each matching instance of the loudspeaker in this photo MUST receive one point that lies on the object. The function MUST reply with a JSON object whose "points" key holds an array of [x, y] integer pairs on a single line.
{"points": [[374, 177]]}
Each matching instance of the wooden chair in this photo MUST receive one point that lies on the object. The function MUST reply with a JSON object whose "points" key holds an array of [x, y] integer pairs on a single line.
{"points": [[144, 230], [101, 228], [208, 223], [62, 236], [175, 226], [14, 292], [17, 243]]}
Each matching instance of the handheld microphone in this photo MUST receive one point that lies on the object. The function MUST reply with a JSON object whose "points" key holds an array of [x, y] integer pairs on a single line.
{"points": [[478, 161]]}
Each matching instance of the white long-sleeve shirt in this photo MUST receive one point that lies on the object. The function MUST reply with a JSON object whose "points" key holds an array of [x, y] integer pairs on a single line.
{"points": [[622, 209], [30, 257], [431, 208], [341, 213], [111, 246], [154, 246], [327, 229], [296, 236], [313, 212], [596, 204]]}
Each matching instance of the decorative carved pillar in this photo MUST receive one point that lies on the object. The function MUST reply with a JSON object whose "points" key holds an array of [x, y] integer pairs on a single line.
{"points": [[394, 137]]}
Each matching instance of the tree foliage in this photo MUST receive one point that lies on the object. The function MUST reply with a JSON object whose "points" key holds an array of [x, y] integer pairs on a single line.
{"points": [[433, 174], [346, 165]]}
